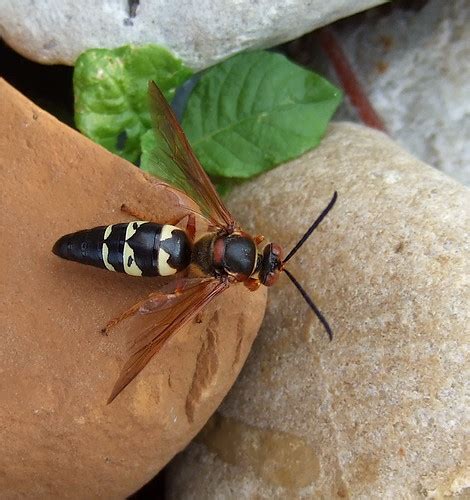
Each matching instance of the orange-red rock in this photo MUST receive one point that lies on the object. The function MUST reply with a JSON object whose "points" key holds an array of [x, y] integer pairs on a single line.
{"points": [[58, 436]]}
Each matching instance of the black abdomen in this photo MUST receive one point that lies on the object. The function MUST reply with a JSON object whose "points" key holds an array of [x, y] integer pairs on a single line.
{"points": [[136, 248]]}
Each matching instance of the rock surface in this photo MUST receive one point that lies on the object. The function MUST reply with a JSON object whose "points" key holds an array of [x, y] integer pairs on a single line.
{"points": [[381, 411], [59, 438], [411, 66], [201, 33]]}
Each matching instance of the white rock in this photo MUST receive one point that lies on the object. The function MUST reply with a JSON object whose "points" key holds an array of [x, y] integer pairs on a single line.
{"points": [[382, 410], [414, 68], [201, 32]]}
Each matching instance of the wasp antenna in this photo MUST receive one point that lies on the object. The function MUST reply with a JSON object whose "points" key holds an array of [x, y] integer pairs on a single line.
{"points": [[311, 304], [312, 227]]}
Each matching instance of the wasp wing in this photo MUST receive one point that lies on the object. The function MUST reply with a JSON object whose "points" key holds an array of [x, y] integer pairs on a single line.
{"points": [[174, 162], [174, 306]]}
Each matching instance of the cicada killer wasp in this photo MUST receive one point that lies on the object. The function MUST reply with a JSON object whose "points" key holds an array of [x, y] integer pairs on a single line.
{"points": [[202, 267]]}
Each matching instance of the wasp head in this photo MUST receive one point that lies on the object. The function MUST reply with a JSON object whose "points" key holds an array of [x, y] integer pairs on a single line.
{"points": [[271, 264]]}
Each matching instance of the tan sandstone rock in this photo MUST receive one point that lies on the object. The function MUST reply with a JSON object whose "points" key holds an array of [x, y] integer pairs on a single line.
{"points": [[58, 437], [379, 412]]}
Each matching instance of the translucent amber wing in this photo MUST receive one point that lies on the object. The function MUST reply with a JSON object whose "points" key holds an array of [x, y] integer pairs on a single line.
{"points": [[171, 309], [174, 162]]}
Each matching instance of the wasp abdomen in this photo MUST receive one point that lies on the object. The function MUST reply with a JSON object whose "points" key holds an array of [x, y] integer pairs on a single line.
{"points": [[136, 248]]}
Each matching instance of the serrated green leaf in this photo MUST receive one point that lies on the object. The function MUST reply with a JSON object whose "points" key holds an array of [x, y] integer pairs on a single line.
{"points": [[110, 86], [257, 110]]}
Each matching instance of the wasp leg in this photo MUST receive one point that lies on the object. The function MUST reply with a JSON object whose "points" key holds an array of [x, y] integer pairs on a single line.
{"points": [[258, 239], [126, 314], [252, 284], [191, 226]]}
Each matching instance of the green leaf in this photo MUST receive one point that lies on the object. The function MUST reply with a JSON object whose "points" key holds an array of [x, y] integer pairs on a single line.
{"points": [[257, 110], [110, 86], [224, 185]]}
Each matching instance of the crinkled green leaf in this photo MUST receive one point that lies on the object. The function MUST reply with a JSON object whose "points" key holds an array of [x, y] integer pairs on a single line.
{"points": [[257, 110], [110, 86]]}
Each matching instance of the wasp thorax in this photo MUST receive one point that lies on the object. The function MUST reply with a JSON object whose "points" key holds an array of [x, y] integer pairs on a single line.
{"points": [[235, 254], [271, 264]]}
